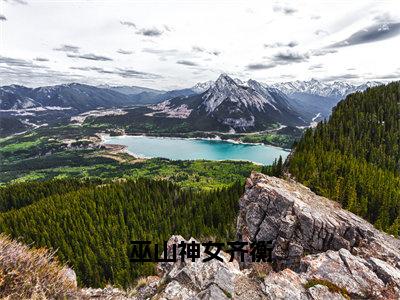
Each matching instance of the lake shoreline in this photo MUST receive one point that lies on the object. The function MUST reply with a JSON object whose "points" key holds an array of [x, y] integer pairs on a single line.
{"points": [[210, 150], [215, 138]]}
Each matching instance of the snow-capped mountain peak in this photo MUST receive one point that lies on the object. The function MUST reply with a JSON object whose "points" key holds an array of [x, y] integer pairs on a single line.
{"points": [[233, 104], [225, 89], [263, 91], [224, 80], [336, 90]]}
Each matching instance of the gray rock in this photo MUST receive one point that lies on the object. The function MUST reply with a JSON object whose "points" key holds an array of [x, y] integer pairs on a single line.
{"points": [[344, 249], [300, 222], [70, 275], [108, 293], [345, 271], [213, 292], [175, 291], [386, 272], [284, 285], [198, 279], [320, 292]]}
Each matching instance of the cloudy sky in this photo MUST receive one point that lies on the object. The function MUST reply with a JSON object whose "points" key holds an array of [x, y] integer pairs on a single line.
{"points": [[172, 44]]}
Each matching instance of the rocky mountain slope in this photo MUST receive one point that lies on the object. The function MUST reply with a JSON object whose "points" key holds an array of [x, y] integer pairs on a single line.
{"points": [[245, 106], [142, 95], [221, 105], [16, 97], [232, 105], [76, 96], [320, 252], [83, 97], [23, 108]]}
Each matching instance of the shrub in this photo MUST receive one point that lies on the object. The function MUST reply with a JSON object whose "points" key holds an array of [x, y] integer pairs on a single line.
{"points": [[32, 273], [260, 270], [331, 286]]}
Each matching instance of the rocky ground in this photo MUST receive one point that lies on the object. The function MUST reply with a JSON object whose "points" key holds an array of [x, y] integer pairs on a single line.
{"points": [[320, 252]]}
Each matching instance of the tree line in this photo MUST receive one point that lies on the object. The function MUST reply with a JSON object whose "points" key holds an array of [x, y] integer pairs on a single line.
{"points": [[354, 157]]}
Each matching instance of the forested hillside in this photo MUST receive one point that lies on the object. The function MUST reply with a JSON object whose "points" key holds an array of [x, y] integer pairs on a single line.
{"points": [[91, 225], [15, 196], [354, 158]]}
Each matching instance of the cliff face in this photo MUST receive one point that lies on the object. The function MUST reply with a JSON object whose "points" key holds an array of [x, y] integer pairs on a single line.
{"points": [[320, 252]]}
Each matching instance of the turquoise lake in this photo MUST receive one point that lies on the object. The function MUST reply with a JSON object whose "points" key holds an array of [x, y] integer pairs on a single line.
{"points": [[190, 149]]}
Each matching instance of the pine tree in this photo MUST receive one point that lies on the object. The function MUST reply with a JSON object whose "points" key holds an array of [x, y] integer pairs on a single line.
{"points": [[354, 157]]}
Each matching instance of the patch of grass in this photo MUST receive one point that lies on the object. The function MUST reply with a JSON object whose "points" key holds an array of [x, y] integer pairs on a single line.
{"points": [[331, 286], [30, 177], [139, 283], [32, 273], [20, 146], [227, 294], [260, 270]]}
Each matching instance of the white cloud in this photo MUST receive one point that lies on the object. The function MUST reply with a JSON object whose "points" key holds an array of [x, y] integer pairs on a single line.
{"points": [[178, 45]]}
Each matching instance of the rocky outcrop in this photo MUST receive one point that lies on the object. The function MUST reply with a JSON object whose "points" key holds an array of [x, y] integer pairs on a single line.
{"points": [[107, 293], [198, 279], [225, 280], [320, 251], [316, 238], [300, 222]]}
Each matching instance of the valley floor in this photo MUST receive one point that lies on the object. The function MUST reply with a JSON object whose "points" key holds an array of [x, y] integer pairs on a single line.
{"points": [[76, 152]]}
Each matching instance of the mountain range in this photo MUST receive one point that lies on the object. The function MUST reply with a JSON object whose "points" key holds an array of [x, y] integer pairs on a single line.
{"points": [[233, 106], [73, 96], [314, 97], [336, 90], [225, 104], [248, 106]]}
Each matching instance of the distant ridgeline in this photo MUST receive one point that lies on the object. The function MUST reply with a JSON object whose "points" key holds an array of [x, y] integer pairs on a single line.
{"points": [[354, 158], [91, 224]]}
